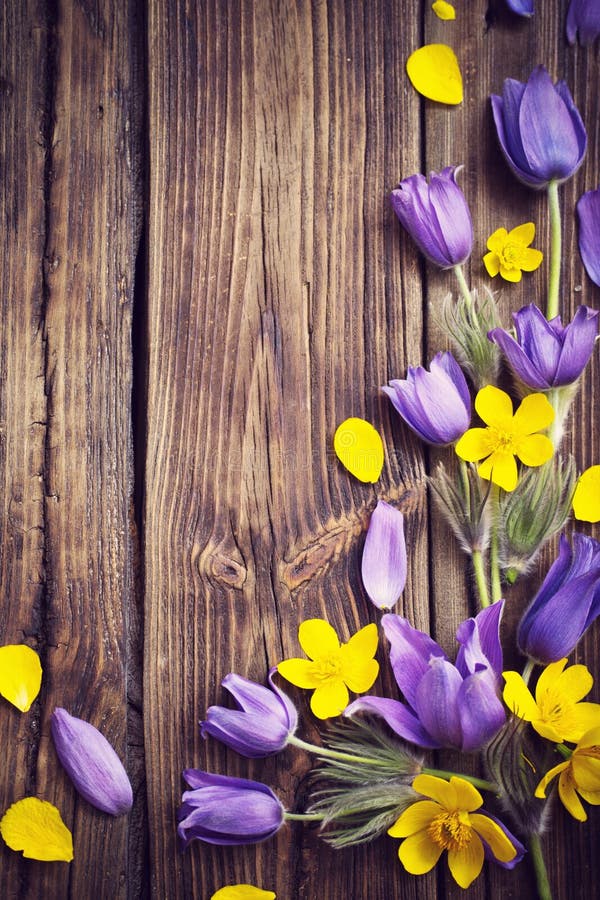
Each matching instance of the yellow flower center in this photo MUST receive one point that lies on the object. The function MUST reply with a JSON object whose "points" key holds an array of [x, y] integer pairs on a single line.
{"points": [[504, 441], [511, 255], [451, 830], [328, 666], [557, 710]]}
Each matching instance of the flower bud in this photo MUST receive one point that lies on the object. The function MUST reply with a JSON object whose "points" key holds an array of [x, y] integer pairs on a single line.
{"points": [[463, 503], [91, 763], [467, 324]]}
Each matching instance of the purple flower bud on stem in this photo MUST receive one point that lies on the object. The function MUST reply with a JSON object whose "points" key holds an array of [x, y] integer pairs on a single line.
{"points": [[91, 763], [588, 213]]}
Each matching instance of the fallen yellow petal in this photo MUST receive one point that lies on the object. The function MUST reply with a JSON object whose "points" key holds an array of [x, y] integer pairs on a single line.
{"points": [[35, 827], [586, 499], [20, 675], [444, 10], [360, 449], [434, 72], [242, 892]]}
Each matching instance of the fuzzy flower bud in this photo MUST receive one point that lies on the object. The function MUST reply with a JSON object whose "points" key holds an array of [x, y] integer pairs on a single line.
{"points": [[91, 763], [467, 324]]}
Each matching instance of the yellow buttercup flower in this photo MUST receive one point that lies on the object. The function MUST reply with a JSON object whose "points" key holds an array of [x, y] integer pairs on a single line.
{"points": [[586, 499], [578, 775], [359, 448], [510, 253], [242, 892], [507, 436], [434, 72], [556, 713], [35, 827], [444, 10], [332, 668], [448, 821], [20, 675]]}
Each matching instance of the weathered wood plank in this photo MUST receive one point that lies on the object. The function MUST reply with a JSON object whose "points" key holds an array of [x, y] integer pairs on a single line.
{"points": [[274, 289], [72, 230]]}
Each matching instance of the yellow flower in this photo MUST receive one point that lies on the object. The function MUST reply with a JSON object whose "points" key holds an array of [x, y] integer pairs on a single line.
{"points": [[556, 713], [35, 827], [447, 821], [579, 774], [507, 436], [510, 253], [332, 667], [434, 72], [359, 447], [444, 10], [20, 675], [586, 499], [242, 892]]}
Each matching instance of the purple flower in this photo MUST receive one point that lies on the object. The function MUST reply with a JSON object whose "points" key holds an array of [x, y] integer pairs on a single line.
{"points": [[261, 725], [455, 706], [224, 810], [384, 556], [539, 128], [588, 213], [521, 7], [436, 216], [583, 21], [91, 763], [566, 604], [548, 354], [435, 404]]}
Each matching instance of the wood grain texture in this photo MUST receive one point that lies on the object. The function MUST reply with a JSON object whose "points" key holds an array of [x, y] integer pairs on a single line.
{"points": [[71, 236]]}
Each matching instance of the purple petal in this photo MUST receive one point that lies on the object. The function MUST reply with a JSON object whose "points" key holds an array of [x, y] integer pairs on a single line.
{"points": [[384, 556], [578, 345], [91, 763], [551, 142], [505, 110], [437, 703], [517, 359], [196, 778], [539, 339], [481, 711], [245, 734], [410, 653], [446, 362], [403, 396], [228, 812], [583, 21], [453, 216], [480, 642], [521, 850], [399, 718], [588, 213], [521, 7]]}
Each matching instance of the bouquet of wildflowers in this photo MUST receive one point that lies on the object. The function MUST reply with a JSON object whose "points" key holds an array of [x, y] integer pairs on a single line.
{"points": [[498, 402]]}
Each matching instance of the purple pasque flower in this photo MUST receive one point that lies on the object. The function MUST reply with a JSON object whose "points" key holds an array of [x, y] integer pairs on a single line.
{"points": [[227, 811], [588, 213], [384, 556], [547, 354], [541, 133], [91, 763], [521, 7], [261, 725], [455, 706], [565, 605], [583, 21], [435, 404], [436, 216]]}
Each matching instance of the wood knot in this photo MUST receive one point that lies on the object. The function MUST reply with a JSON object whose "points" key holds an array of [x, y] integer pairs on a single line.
{"points": [[223, 564]]}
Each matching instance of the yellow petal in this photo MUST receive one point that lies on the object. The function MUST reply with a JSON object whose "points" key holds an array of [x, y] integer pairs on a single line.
{"points": [[497, 240], [491, 263], [534, 414], [510, 273], [500, 845], [585, 716], [415, 818], [418, 853], [535, 449], [330, 699], [522, 234], [301, 672], [518, 697], [551, 731], [359, 674], [434, 72], [359, 448], [531, 259], [438, 789], [35, 827], [466, 864], [569, 798], [540, 790], [586, 500], [590, 739], [586, 772], [318, 638], [20, 675], [242, 892], [592, 797], [501, 469], [550, 675], [476, 443], [444, 10], [494, 406], [467, 795], [575, 682], [363, 644]]}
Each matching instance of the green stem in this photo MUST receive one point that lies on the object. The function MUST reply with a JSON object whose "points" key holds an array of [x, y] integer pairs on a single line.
{"points": [[552, 309], [477, 782], [333, 754], [564, 751], [527, 670], [541, 873], [304, 817], [464, 287], [494, 546], [480, 579]]}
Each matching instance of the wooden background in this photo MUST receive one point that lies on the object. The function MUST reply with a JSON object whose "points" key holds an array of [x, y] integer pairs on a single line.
{"points": [[201, 277]]}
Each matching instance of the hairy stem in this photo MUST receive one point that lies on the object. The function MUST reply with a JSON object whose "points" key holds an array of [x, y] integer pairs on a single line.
{"points": [[541, 873], [464, 287], [477, 782]]}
